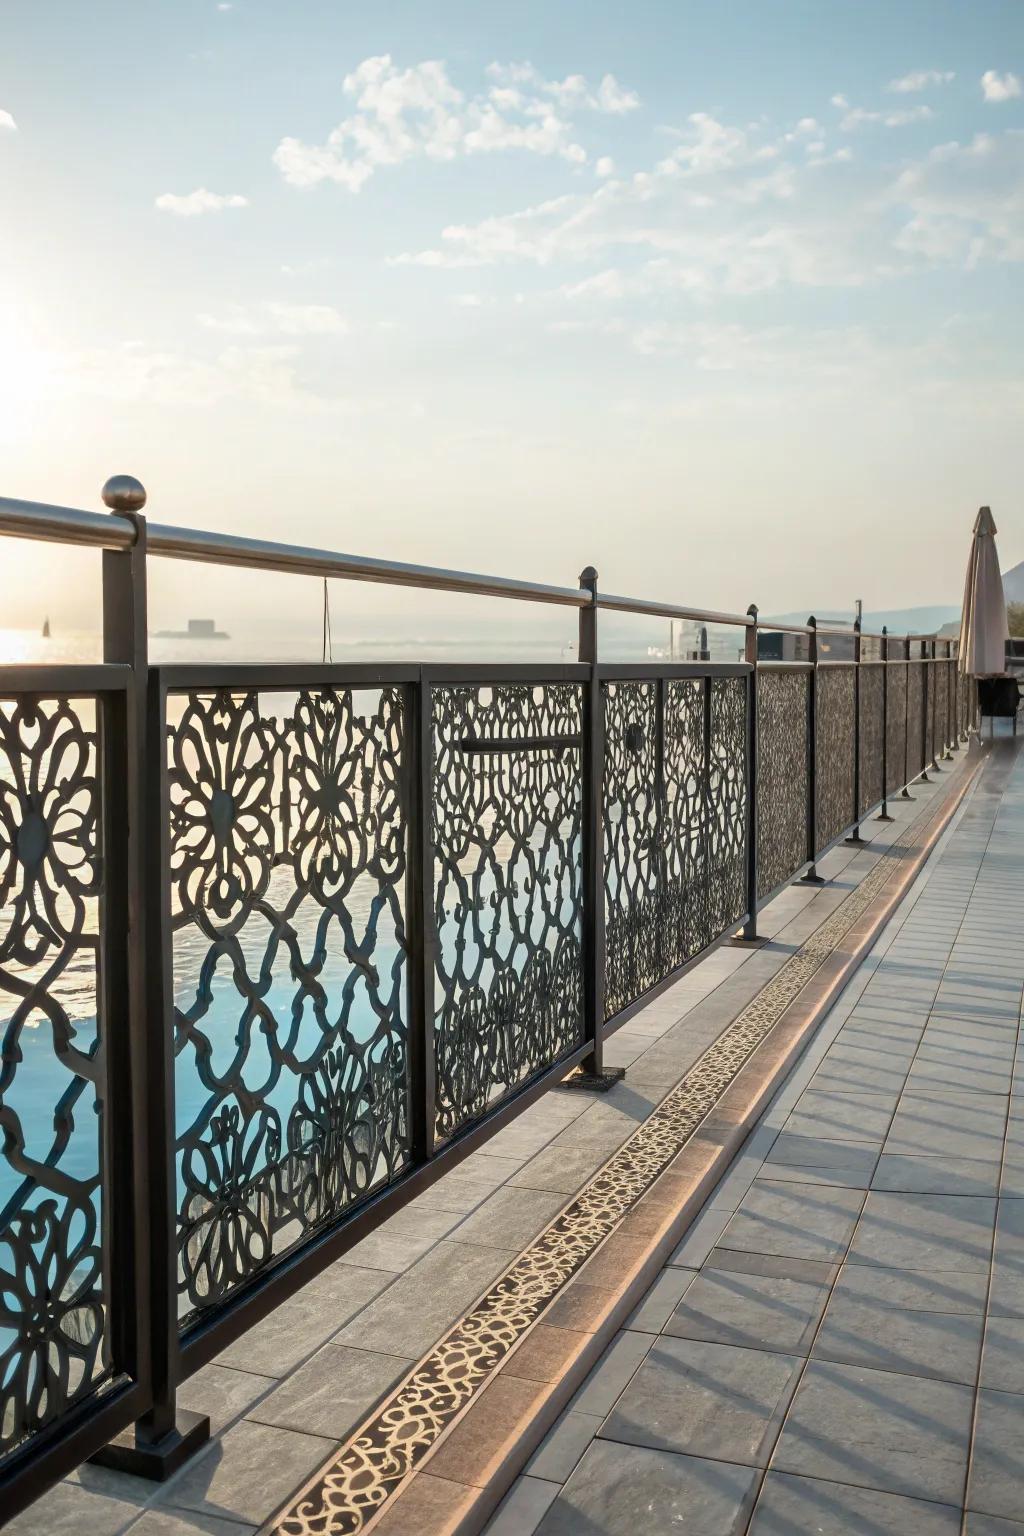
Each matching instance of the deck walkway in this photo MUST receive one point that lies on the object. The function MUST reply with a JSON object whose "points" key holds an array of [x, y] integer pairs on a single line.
{"points": [[837, 1345]]}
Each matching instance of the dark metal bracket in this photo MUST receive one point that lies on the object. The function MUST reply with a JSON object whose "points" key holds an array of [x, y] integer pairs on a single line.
{"points": [[479, 746]]}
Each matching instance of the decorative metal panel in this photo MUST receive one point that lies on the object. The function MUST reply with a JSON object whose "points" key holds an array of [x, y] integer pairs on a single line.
{"points": [[872, 734], [896, 745], [633, 868], [834, 722], [726, 868], [915, 718], [53, 1344], [674, 825], [287, 868], [782, 776], [507, 862]]}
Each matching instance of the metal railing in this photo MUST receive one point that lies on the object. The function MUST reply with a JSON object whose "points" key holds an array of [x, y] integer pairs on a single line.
{"points": [[279, 945]]}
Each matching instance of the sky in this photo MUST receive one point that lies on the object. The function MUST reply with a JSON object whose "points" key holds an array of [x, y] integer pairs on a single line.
{"points": [[722, 298]]}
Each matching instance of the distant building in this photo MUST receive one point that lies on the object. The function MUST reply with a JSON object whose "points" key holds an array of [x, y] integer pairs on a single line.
{"points": [[198, 629]]}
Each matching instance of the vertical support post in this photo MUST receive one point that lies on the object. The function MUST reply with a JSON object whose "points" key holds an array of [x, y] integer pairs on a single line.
{"points": [[592, 1072], [933, 694], [950, 702], [883, 814], [906, 795], [419, 907], [812, 877], [165, 1436], [750, 934], [855, 839], [924, 712]]}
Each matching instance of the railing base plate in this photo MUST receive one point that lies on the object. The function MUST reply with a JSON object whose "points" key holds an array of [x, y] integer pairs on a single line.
{"points": [[855, 842], [810, 879], [159, 1459], [593, 1082], [744, 941]]}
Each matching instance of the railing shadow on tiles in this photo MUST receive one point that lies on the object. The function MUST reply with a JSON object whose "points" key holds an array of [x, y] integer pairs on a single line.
{"points": [[279, 945]]}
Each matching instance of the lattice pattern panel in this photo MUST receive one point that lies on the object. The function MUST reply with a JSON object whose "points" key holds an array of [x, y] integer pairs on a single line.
{"points": [[915, 718], [634, 871], [287, 865], [896, 746], [834, 723], [727, 806], [782, 775], [674, 825], [53, 1343], [872, 733], [507, 861]]}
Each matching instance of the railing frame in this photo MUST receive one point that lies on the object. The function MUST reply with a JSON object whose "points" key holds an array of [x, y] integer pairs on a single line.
{"points": [[135, 1422]]}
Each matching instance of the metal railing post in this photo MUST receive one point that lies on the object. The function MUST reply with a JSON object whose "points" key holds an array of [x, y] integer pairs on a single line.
{"points": [[883, 814], [165, 1436], [933, 694], [905, 793], [420, 916], [750, 934], [855, 839], [923, 776], [812, 877], [592, 1072], [950, 703]]}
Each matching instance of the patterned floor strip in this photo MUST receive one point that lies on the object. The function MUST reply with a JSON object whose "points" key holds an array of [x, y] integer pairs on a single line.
{"points": [[347, 1493]]}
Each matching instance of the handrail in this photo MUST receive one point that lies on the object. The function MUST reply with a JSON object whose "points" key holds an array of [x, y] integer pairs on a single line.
{"points": [[655, 609], [110, 530], [64, 525], [301, 560]]}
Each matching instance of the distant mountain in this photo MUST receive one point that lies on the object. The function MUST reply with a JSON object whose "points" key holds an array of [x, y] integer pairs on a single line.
{"points": [[900, 621], [1013, 584]]}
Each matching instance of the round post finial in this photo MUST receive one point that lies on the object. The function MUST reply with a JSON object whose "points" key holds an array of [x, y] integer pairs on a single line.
{"points": [[123, 493]]}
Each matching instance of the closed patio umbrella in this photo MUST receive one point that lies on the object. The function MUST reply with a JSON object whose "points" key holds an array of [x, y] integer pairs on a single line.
{"points": [[983, 628]]}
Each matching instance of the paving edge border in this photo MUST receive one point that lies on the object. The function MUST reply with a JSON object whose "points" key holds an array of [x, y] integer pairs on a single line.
{"points": [[504, 1420]]}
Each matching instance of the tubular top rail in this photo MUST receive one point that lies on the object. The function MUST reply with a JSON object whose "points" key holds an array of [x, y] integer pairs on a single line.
{"points": [[111, 530]]}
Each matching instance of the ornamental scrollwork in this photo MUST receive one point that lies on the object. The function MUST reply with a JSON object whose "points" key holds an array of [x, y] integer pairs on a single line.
{"points": [[53, 1340], [288, 851]]}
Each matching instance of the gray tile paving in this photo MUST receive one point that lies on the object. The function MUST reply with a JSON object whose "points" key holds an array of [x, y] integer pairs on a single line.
{"points": [[706, 1399], [879, 1429], [755, 1311], [863, 1331], [807, 1221], [331, 1392], [997, 1470], [796, 1506], [871, 1184], [911, 1231], [621, 1490], [245, 1473]]}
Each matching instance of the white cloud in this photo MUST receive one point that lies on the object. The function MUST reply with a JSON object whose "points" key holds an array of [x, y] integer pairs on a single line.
{"points": [[966, 201], [921, 79], [282, 319], [7, 121], [900, 117], [726, 211], [741, 210], [190, 205], [605, 166], [996, 87], [405, 114]]}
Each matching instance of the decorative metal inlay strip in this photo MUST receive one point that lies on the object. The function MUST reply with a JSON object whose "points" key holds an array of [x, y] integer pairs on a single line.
{"points": [[365, 1472]]}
